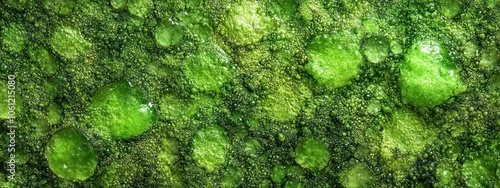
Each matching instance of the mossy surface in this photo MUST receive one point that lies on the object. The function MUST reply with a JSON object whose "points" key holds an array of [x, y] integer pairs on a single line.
{"points": [[69, 42], [312, 154], [71, 155], [119, 110], [210, 147], [14, 37]]}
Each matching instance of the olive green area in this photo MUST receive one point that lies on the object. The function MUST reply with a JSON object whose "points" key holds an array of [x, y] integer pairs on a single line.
{"points": [[253, 93], [119, 110], [210, 147], [71, 155], [334, 59], [429, 77]]}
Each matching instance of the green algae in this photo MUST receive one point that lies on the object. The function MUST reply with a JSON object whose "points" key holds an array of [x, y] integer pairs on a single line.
{"points": [[14, 37], [168, 33], [312, 154], [71, 155], [119, 110], [69, 42], [210, 147]]}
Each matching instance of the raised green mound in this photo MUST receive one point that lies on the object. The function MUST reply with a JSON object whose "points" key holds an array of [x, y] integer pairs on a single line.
{"points": [[120, 111], [71, 155], [210, 147], [334, 59], [209, 69], [428, 76], [69, 42], [312, 154]]}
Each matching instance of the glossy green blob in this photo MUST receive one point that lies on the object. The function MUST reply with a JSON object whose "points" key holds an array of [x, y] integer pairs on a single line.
{"points": [[210, 147], [451, 8], [284, 9], [69, 42], [71, 155], [117, 4], [376, 49], [334, 59], [447, 175], [428, 76], [62, 7], [285, 102], [357, 176], [139, 8], [312, 154], [209, 69], [280, 172], [168, 33], [17, 4], [54, 114], [246, 23], [407, 135], [490, 57], [119, 110], [14, 37]]}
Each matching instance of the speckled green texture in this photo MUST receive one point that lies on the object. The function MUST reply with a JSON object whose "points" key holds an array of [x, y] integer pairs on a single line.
{"points": [[69, 42], [71, 155], [210, 147], [312, 154]]}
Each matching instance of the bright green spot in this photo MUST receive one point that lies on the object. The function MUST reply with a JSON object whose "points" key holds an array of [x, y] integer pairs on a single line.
{"points": [[17, 4], [357, 176], [478, 173], [406, 134], [139, 8], [14, 37], [490, 57], [169, 153], [53, 114], [284, 9], [280, 172], [210, 147], [233, 177], [117, 4], [312, 154], [451, 8], [71, 155], [45, 59], [119, 110], [168, 33], [252, 147], [69, 42], [428, 76], [4, 100], [334, 59], [62, 7], [447, 174], [285, 102], [246, 23], [209, 69], [376, 49]]}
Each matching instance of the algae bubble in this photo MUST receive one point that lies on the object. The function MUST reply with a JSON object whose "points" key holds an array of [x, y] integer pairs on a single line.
{"points": [[120, 111], [71, 155], [69, 42], [210, 147], [168, 33], [334, 59], [312, 154], [14, 37], [376, 49], [428, 75]]}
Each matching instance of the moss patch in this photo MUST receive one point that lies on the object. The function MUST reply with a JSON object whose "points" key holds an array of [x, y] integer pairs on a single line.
{"points": [[69, 42], [312, 154], [210, 147]]}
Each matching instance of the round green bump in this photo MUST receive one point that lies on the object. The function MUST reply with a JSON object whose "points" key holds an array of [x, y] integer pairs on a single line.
{"points": [[490, 58], [209, 69], [4, 103], [284, 9], [252, 147], [45, 59], [14, 37], [246, 23], [312, 154], [447, 175], [17, 4], [169, 153], [139, 8], [119, 110], [210, 147], [69, 42], [172, 107], [451, 8], [478, 173], [71, 155], [357, 176], [62, 7], [168, 33], [376, 49], [428, 76], [334, 59], [285, 102], [233, 177], [118, 4], [53, 114]]}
